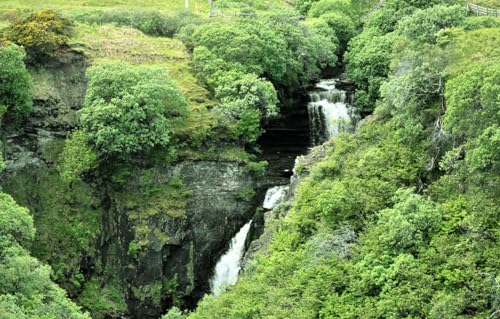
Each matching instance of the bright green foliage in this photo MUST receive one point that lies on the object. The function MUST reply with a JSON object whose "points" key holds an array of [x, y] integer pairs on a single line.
{"points": [[250, 46], [238, 92], [303, 6], [129, 109], [476, 92], [401, 4], [41, 33], [149, 21], [368, 62], [15, 83], [400, 218], [423, 25], [77, 157], [16, 223], [244, 99], [331, 6], [174, 313], [310, 48], [342, 25], [26, 289]]}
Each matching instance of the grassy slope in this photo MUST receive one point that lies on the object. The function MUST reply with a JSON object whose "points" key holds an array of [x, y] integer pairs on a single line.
{"points": [[200, 6]]}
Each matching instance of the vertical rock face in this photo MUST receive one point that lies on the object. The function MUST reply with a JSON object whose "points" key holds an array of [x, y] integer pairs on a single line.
{"points": [[178, 252], [125, 252]]}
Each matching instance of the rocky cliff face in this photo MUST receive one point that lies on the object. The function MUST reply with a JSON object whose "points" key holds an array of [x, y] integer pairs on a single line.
{"points": [[164, 255], [127, 251]]}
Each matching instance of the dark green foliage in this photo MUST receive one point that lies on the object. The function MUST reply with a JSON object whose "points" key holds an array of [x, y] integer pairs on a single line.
{"points": [[129, 109], [423, 25], [15, 83]]}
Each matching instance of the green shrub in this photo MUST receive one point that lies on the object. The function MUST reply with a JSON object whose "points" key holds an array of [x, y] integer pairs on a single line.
{"points": [[331, 6], [174, 313], [246, 194], [77, 157], [129, 109], [342, 25], [15, 83], [42, 33]]}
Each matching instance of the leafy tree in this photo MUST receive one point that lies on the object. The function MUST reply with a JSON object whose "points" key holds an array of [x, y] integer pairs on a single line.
{"points": [[422, 4], [342, 25], [368, 61], [246, 99], [15, 83], [174, 313], [423, 25], [331, 6], [42, 33], [129, 109], [16, 223], [250, 46], [26, 289], [309, 49]]}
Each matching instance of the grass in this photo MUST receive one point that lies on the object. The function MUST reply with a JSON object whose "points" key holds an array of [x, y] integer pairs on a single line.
{"points": [[198, 6]]}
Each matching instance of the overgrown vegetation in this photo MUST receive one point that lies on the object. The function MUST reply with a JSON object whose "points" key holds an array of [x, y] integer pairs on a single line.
{"points": [[41, 33], [400, 219], [15, 84]]}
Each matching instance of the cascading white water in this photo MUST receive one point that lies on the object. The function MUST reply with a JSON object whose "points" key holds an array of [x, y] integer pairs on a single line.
{"points": [[274, 196], [229, 265], [328, 111]]}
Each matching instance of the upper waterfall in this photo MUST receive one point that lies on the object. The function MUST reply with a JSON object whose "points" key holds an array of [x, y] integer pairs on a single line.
{"points": [[328, 110]]}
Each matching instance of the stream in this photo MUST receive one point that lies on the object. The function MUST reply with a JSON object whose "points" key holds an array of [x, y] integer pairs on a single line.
{"points": [[329, 112]]}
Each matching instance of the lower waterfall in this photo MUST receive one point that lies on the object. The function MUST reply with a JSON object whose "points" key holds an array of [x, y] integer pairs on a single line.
{"points": [[229, 265]]}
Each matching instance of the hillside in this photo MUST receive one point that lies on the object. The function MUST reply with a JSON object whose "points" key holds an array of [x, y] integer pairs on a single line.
{"points": [[342, 153]]}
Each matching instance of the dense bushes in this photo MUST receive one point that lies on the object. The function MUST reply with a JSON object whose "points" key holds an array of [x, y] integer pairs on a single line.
{"points": [[15, 83], [26, 289], [41, 33], [129, 109], [234, 59], [399, 220]]}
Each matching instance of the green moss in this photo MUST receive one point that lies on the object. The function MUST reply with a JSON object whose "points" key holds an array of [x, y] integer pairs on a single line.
{"points": [[246, 194], [104, 302], [152, 291], [67, 219]]}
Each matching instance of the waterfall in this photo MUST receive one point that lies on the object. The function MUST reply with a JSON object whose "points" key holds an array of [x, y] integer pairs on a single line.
{"points": [[274, 196], [229, 265], [328, 111]]}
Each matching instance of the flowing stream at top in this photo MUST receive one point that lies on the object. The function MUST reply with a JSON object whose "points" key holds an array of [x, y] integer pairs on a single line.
{"points": [[329, 113]]}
